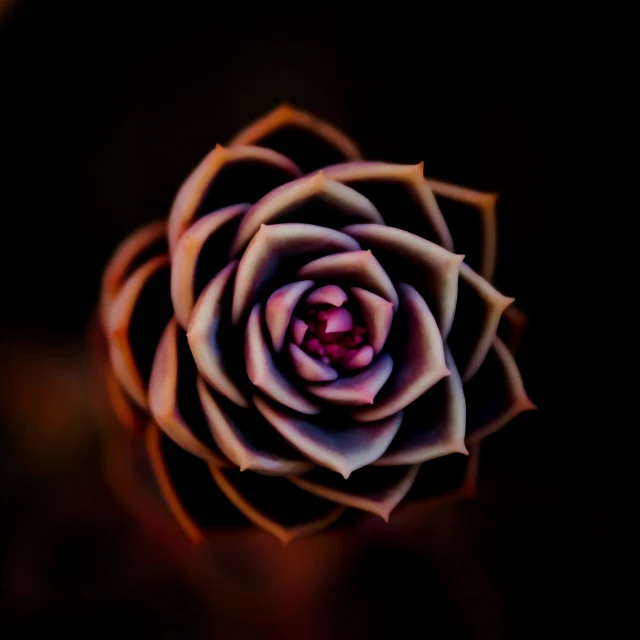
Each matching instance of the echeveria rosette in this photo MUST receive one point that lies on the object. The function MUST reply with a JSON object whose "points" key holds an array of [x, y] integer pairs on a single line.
{"points": [[302, 337]]}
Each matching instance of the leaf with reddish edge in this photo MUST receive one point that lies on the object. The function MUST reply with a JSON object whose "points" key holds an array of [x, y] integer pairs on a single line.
{"points": [[291, 203], [275, 504], [358, 389], [432, 270], [143, 244], [172, 373], [397, 190], [358, 358], [480, 307], [340, 446], [279, 309], [205, 178], [191, 493], [206, 340], [354, 267], [309, 368], [371, 489], [131, 364], [484, 205], [433, 426], [308, 140], [186, 258], [377, 314], [264, 373], [270, 246], [299, 329], [495, 394], [248, 441], [421, 363], [329, 294]]}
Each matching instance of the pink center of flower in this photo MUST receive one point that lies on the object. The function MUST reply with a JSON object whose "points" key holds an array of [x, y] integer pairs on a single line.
{"points": [[329, 334]]}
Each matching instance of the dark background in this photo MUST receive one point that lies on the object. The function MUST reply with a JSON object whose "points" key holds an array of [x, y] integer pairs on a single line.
{"points": [[104, 111]]}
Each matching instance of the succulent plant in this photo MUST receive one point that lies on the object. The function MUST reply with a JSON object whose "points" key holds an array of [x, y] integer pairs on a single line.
{"points": [[301, 338]]}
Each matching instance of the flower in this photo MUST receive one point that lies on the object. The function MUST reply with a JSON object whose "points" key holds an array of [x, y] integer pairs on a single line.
{"points": [[301, 337]]}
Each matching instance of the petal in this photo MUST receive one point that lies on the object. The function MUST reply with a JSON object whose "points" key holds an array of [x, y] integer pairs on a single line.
{"points": [[309, 368], [207, 339], [173, 397], [495, 395], [270, 246], [421, 363], [225, 177], [358, 389], [136, 321], [478, 313], [358, 358], [189, 490], [249, 441], [329, 294], [433, 426], [142, 245], [456, 203], [432, 270], [263, 372], [377, 314], [275, 504], [279, 309], [127, 413], [200, 254], [298, 330], [342, 446], [371, 489], [338, 321], [309, 141], [310, 200], [401, 194], [355, 267]]}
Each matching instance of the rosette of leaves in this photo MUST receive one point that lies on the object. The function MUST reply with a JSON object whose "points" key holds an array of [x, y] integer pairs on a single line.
{"points": [[302, 337]]}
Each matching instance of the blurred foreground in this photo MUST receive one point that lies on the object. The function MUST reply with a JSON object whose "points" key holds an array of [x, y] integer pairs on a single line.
{"points": [[90, 548]]}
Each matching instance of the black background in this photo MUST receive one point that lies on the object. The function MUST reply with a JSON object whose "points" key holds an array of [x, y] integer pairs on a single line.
{"points": [[105, 110]]}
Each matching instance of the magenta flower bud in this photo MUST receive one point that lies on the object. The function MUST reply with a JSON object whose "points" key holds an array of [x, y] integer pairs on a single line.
{"points": [[303, 339]]}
